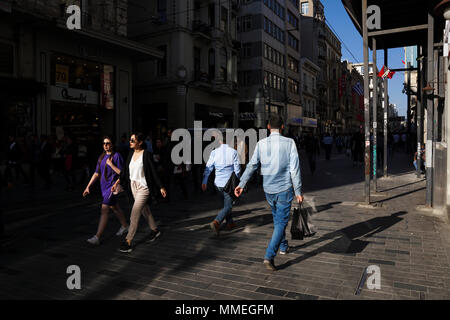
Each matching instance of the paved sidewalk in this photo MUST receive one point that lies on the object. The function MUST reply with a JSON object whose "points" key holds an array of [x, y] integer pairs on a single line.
{"points": [[411, 247]]}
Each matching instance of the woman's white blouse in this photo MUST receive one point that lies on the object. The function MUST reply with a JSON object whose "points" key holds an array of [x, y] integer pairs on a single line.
{"points": [[137, 170]]}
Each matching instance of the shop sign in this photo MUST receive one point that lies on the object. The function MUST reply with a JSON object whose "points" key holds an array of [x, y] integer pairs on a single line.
{"points": [[247, 116], [309, 122], [73, 95], [216, 114], [297, 120], [62, 75]]}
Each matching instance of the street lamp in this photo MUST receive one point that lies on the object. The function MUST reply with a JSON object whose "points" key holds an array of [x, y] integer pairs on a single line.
{"points": [[443, 8], [428, 90]]}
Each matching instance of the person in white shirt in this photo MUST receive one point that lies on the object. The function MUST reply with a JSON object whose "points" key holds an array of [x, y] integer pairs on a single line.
{"points": [[139, 176]]}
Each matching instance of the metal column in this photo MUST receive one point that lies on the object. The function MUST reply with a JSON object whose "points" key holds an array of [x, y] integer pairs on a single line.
{"points": [[366, 103], [408, 110], [374, 110], [420, 104], [385, 122], [429, 145]]}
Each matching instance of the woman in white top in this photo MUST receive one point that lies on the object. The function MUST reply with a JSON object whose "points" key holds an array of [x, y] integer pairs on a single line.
{"points": [[139, 176]]}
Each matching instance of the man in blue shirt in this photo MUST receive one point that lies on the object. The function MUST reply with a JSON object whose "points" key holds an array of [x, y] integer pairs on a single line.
{"points": [[280, 168], [225, 160]]}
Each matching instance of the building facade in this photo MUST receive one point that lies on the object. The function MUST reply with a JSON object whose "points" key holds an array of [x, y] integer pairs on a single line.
{"points": [[310, 73], [67, 82], [322, 46], [269, 64], [197, 78]]}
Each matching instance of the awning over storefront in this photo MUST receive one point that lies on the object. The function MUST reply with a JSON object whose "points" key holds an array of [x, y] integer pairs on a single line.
{"points": [[410, 17]]}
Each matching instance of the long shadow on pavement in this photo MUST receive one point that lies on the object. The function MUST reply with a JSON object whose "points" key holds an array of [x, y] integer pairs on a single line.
{"points": [[348, 241]]}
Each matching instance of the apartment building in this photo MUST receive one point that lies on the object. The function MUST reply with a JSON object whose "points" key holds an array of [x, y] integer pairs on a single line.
{"points": [[197, 78], [269, 62], [67, 82], [310, 72], [321, 46]]}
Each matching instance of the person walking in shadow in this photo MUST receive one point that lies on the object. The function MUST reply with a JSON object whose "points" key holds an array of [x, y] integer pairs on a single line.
{"points": [[225, 161], [109, 166], [140, 177], [280, 168]]}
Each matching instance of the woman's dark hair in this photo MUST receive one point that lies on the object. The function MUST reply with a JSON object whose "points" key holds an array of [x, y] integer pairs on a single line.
{"points": [[140, 137], [102, 156]]}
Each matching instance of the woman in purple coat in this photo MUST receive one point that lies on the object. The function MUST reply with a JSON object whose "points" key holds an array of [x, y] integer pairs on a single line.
{"points": [[109, 166]]}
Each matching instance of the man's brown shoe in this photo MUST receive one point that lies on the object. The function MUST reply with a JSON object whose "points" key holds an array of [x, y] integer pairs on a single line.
{"points": [[270, 265], [230, 226], [215, 227]]}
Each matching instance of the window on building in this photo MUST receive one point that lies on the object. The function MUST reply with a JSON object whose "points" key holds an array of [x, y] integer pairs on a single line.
{"points": [[211, 63], [246, 23], [162, 10], [305, 8], [292, 19], [293, 86], [212, 14], [245, 78], [246, 50], [162, 63], [292, 41], [197, 10], [223, 65], [197, 62], [223, 19], [293, 64]]}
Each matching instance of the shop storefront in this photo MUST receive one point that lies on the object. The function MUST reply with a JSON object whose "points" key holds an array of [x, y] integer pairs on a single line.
{"points": [[213, 117], [303, 124], [247, 115], [82, 97]]}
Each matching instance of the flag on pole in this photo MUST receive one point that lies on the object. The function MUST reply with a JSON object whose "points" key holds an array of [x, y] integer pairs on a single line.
{"points": [[358, 88], [386, 73]]}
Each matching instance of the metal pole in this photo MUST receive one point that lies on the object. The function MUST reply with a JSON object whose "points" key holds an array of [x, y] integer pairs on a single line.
{"points": [[408, 115], [429, 145], [366, 103], [374, 110], [420, 104], [386, 108]]}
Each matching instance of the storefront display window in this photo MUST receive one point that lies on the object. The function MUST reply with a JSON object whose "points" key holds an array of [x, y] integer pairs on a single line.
{"points": [[82, 95]]}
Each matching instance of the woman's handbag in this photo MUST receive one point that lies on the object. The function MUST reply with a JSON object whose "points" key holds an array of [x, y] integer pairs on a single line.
{"points": [[119, 189]]}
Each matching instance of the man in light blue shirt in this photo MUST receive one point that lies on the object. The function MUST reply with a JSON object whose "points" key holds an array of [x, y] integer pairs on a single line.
{"points": [[225, 160], [280, 168]]}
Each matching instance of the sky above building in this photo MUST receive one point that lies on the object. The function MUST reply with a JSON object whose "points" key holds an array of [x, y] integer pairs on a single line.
{"points": [[352, 50]]}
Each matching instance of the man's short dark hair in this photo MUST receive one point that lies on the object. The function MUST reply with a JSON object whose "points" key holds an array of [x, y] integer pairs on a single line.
{"points": [[275, 121]]}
